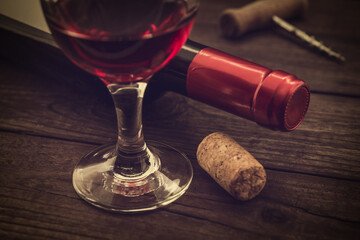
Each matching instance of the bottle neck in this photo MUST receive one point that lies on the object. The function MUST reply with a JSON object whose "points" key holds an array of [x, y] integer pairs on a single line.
{"points": [[185, 56], [173, 76]]}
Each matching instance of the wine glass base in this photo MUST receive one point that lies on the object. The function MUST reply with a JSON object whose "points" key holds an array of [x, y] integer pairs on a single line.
{"points": [[165, 181]]}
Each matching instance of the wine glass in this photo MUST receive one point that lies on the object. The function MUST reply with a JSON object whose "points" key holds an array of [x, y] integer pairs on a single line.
{"points": [[124, 42]]}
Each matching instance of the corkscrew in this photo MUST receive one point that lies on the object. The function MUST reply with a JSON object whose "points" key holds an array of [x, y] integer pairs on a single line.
{"points": [[235, 22]]}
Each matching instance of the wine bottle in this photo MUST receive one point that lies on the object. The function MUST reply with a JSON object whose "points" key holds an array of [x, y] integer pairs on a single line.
{"points": [[274, 99]]}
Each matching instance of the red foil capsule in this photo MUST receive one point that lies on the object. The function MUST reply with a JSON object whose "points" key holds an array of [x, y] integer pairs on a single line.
{"points": [[275, 99]]}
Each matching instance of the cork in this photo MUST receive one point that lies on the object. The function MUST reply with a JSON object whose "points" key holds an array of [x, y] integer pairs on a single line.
{"points": [[236, 21], [231, 166]]}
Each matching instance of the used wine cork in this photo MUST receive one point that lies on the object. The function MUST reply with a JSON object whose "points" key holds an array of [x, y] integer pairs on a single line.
{"points": [[235, 22], [231, 166]]}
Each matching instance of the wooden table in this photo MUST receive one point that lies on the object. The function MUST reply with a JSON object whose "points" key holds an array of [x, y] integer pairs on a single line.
{"points": [[52, 113]]}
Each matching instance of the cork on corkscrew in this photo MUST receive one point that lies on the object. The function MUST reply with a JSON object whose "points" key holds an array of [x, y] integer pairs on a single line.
{"points": [[235, 22], [231, 166]]}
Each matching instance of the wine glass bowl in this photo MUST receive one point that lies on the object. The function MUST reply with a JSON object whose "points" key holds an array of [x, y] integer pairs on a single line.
{"points": [[124, 43], [120, 41]]}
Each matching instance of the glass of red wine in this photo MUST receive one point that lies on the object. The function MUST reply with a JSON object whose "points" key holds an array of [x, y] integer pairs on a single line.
{"points": [[124, 42]]}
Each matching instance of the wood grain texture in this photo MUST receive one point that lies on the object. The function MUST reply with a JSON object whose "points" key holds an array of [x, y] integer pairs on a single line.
{"points": [[39, 198], [52, 113], [46, 108]]}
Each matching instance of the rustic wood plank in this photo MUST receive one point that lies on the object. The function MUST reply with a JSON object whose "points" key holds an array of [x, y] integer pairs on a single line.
{"points": [[327, 142], [25, 95], [38, 199]]}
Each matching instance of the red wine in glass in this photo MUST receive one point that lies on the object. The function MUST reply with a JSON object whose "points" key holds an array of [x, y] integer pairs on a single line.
{"points": [[120, 56]]}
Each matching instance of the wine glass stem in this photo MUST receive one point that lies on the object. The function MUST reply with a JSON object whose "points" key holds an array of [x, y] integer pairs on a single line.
{"points": [[132, 154]]}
